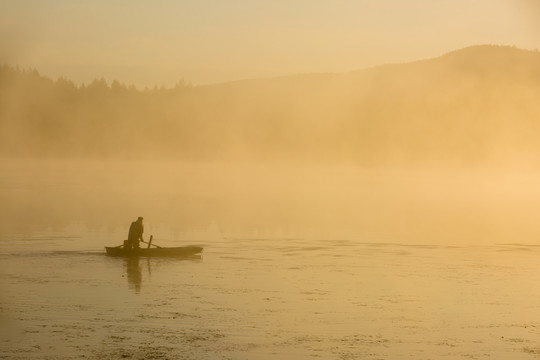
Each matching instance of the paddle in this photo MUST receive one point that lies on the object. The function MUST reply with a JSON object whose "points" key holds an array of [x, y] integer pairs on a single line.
{"points": [[150, 242]]}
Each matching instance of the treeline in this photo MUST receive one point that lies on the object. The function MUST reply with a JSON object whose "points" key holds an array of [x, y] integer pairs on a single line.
{"points": [[42, 117], [475, 105]]}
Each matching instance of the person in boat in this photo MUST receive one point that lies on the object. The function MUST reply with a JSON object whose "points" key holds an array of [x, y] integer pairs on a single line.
{"points": [[136, 230]]}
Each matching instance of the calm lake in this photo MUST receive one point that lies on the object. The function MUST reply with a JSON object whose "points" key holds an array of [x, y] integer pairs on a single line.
{"points": [[297, 264]]}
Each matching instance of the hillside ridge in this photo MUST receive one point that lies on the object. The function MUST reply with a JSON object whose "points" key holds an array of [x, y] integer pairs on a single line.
{"points": [[475, 105]]}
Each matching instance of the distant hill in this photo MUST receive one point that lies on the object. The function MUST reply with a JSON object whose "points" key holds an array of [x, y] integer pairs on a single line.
{"points": [[477, 105]]}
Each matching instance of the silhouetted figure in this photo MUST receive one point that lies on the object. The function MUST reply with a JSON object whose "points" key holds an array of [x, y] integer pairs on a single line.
{"points": [[136, 230]]}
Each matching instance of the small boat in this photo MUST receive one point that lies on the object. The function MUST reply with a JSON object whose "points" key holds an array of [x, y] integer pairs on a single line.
{"points": [[183, 251]]}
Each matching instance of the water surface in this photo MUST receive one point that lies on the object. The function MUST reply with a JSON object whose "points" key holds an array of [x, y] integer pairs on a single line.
{"points": [[250, 298]]}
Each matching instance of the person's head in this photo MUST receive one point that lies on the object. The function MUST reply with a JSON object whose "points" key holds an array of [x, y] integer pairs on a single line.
{"points": [[139, 219]]}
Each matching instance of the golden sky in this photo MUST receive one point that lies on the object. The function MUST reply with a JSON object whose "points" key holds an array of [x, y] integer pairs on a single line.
{"points": [[208, 41]]}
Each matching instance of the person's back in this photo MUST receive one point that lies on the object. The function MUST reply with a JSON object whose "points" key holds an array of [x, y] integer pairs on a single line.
{"points": [[135, 234]]}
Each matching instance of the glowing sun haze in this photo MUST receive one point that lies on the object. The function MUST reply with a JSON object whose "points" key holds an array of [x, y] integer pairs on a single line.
{"points": [[208, 41]]}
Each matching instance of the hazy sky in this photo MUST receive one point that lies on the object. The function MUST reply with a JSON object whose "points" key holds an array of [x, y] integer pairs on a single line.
{"points": [[205, 41]]}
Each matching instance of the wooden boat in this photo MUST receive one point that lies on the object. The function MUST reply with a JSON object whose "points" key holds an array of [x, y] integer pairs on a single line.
{"points": [[184, 251]]}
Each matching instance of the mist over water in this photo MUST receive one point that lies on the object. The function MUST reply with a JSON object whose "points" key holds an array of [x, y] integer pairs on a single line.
{"points": [[273, 200]]}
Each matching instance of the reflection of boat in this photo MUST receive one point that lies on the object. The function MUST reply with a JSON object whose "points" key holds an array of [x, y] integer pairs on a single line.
{"points": [[134, 265], [184, 251]]}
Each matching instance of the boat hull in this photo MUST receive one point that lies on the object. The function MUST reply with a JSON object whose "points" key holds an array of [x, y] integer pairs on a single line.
{"points": [[184, 251]]}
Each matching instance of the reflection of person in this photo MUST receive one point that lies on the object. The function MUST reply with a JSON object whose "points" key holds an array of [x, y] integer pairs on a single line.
{"points": [[135, 234], [134, 273]]}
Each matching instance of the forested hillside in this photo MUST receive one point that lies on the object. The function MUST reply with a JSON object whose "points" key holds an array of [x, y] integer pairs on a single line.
{"points": [[472, 106]]}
